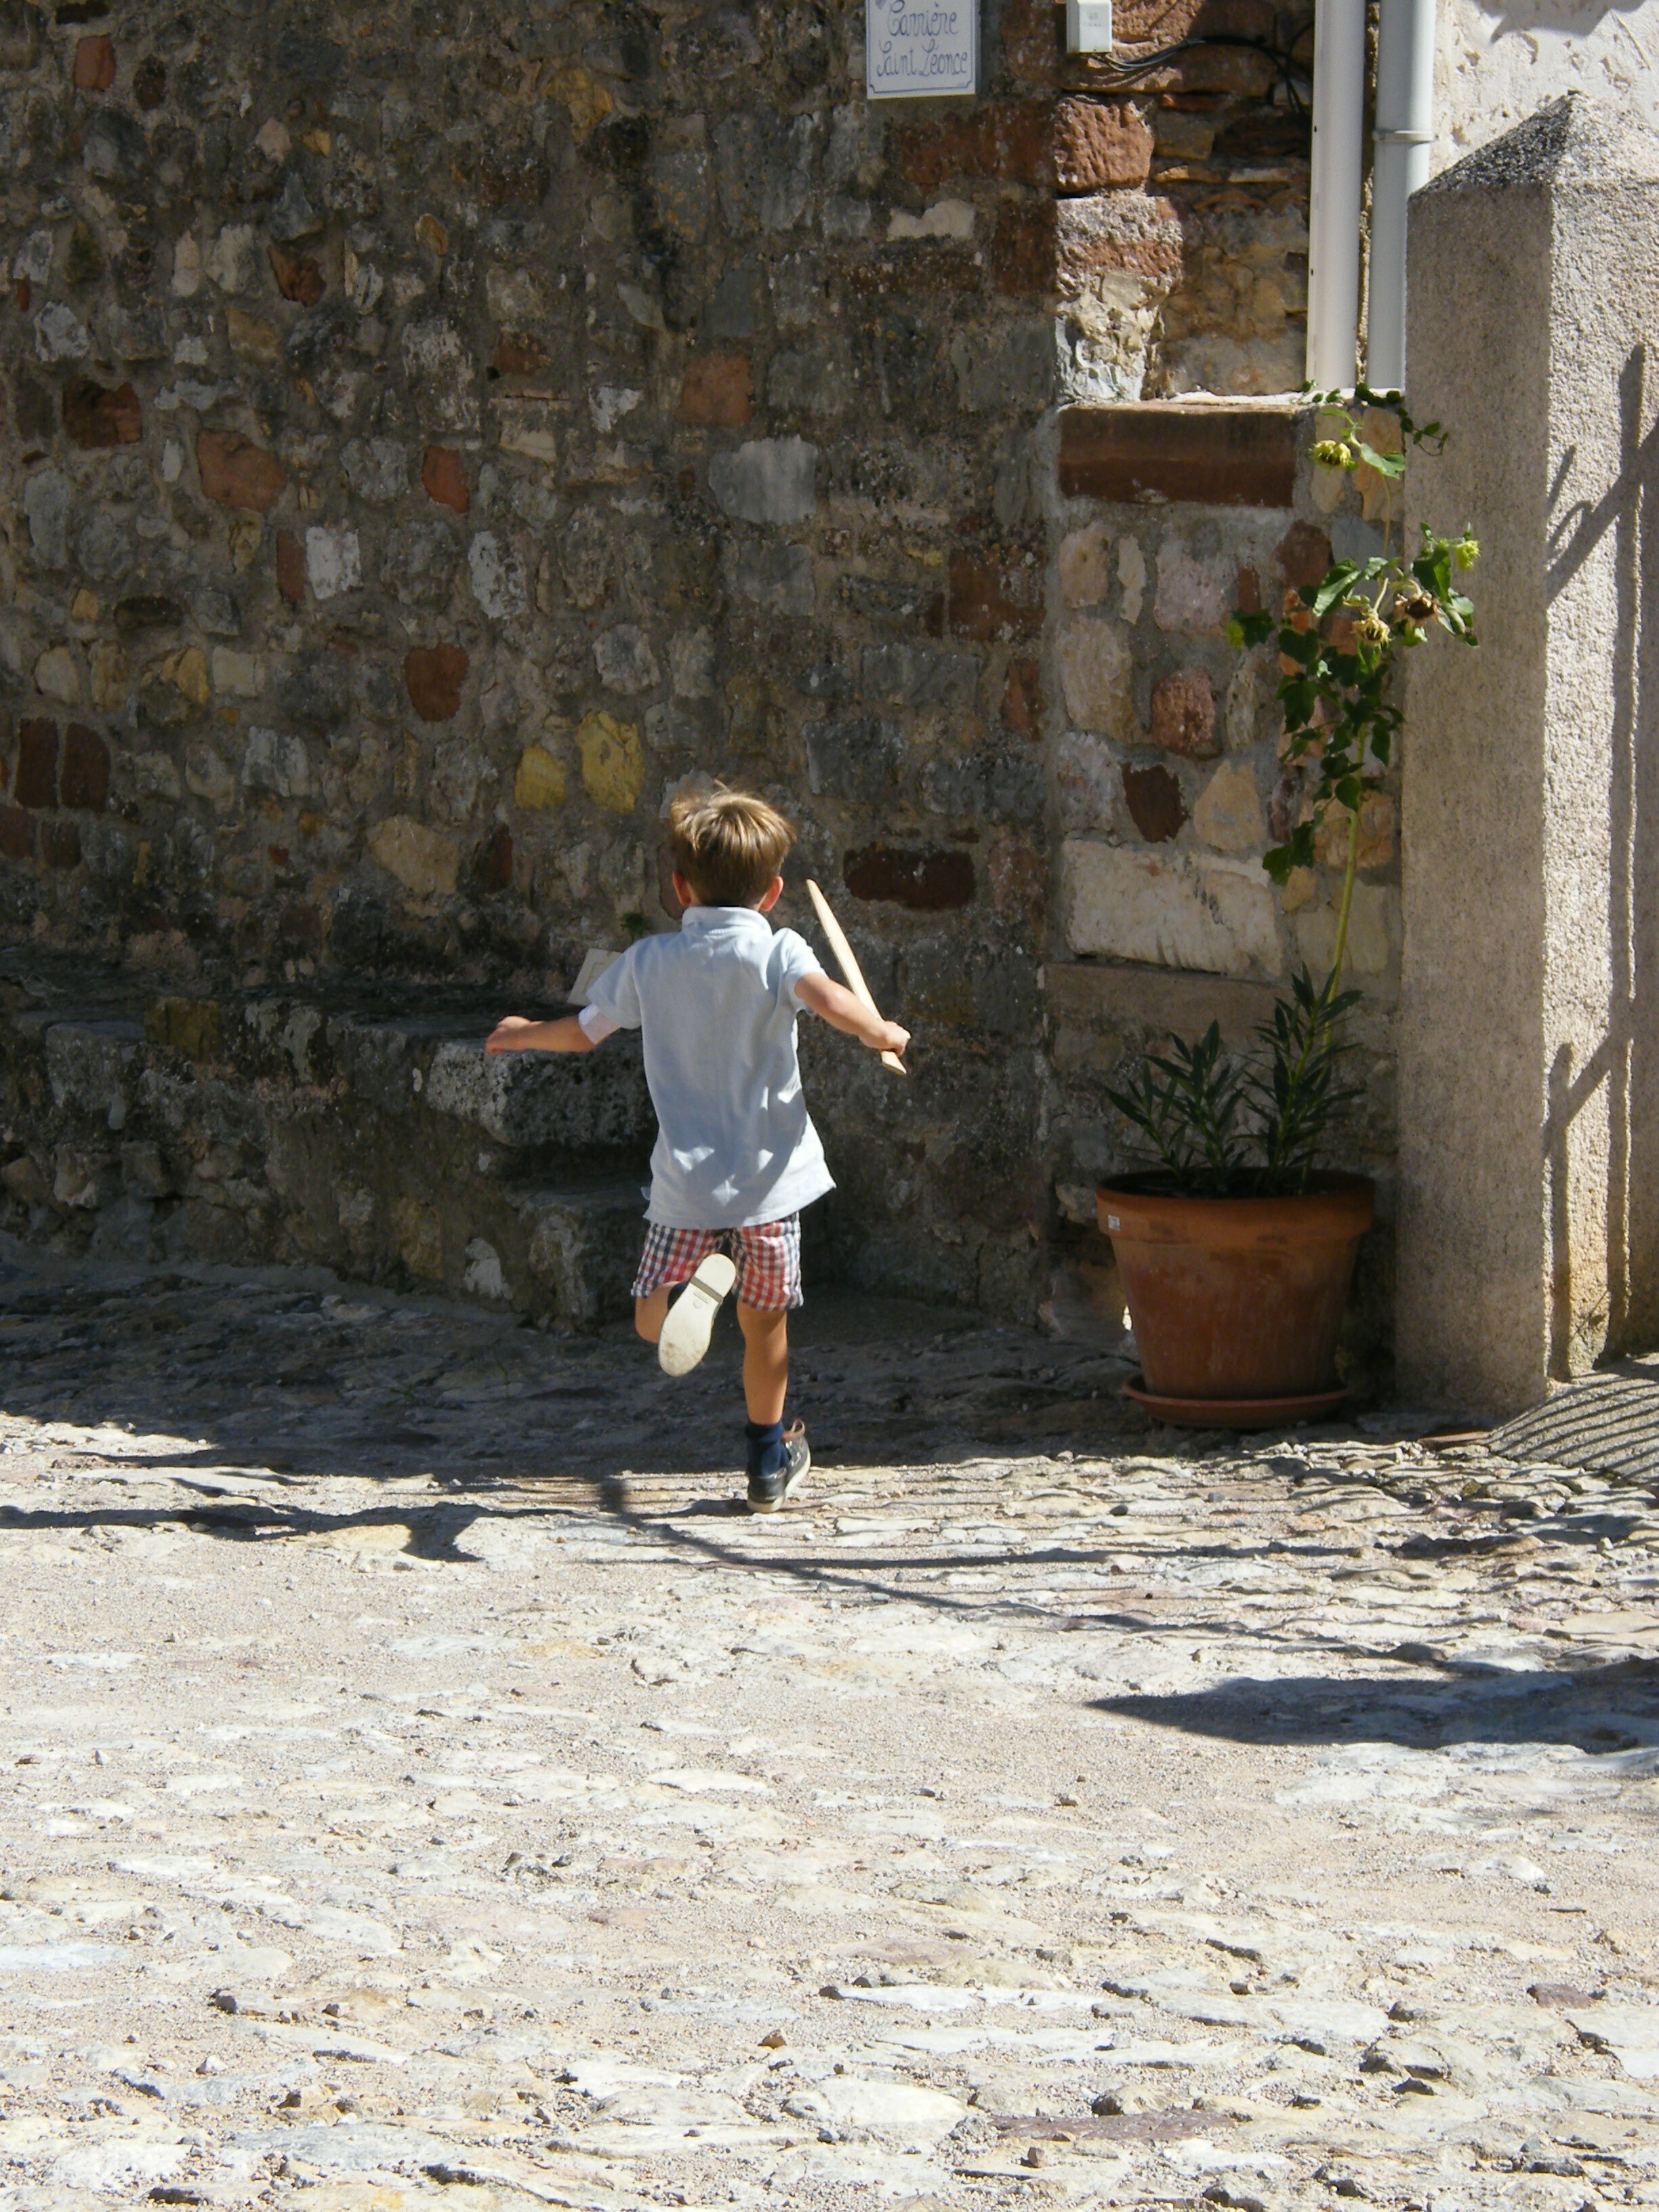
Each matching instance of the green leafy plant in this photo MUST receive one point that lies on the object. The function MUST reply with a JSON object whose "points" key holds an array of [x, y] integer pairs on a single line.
{"points": [[1186, 1104], [1219, 1127], [1216, 1127]]}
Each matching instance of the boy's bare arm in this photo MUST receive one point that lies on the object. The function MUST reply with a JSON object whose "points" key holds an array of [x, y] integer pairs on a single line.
{"points": [[836, 1005], [514, 1034]]}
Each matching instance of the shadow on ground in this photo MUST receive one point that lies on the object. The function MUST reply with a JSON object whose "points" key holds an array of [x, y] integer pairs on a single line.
{"points": [[1609, 1710], [290, 1375]]}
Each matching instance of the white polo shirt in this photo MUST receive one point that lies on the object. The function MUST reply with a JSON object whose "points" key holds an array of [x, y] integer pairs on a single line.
{"points": [[716, 1005]]}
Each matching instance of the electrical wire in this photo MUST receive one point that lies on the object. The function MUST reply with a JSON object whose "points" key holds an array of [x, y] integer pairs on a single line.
{"points": [[1287, 70]]}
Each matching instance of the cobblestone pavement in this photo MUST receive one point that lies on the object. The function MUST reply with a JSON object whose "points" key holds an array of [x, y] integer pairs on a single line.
{"points": [[405, 1805]]}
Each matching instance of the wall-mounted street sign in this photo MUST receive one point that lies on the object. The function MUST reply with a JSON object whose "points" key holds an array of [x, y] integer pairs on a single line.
{"points": [[920, 49]]}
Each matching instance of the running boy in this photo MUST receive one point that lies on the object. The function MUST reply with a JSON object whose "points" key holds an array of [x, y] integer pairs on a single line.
{"points": [[736, 1156]]}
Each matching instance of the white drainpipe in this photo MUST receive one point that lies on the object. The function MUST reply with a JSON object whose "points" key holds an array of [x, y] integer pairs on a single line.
{"points": [[1339, 107], [1404, 135]]}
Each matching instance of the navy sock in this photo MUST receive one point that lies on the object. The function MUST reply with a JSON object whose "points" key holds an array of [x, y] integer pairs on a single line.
{"points": [[765, 1447]]}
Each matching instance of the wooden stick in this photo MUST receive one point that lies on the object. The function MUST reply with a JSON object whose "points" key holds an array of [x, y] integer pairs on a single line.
{"points": [[849, 966]]}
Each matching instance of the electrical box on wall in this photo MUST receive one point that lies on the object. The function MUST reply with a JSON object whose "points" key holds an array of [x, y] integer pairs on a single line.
{"points": [[1088, 26], [918, 49]]}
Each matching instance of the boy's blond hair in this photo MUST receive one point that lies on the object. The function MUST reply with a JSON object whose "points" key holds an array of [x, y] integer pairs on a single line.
{"points": [[728, 845]]}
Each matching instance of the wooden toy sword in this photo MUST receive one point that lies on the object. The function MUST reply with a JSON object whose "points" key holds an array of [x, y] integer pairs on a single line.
{"points": [[849, 966]]}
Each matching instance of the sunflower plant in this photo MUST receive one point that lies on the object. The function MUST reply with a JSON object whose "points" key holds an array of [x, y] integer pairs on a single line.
{"points": [[1339, 641]]}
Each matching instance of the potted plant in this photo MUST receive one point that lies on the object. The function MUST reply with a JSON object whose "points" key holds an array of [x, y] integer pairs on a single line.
{"points": [[1236, 1244]]}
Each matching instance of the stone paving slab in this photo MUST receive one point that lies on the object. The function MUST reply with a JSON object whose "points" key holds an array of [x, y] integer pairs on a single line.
{"points": [[422, 1787]]}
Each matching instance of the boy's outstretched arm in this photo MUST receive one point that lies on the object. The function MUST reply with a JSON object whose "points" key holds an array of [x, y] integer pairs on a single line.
{"points": [[836, 1005], [514, 1034]]}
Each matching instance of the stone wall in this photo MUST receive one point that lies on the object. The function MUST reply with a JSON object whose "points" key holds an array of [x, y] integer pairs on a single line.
{"points": [[425, 449]]}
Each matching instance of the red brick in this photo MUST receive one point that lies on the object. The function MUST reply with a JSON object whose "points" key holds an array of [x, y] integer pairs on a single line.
{"points": [[141, 611], [1264, 136], [94, 63], [290, 567], [435, 675], [1304, 555], [1007, 142], [1183, 714], [1136, 233], [989, 601], [97, 415], [1236, 69], [443, 478], [83, 776], [1018, 876], [35, 782], [1023, 252], [298, 277], [1099, 143], [514, 184], [516, 355], [16, 833], [718, 392], [492, 863], [1155, 803], [300, 926], [949, 274], [238, 473], [926, 881], [60, 843], [1022, 700], [1246, 592], [1161, 22], [1216, 456]]}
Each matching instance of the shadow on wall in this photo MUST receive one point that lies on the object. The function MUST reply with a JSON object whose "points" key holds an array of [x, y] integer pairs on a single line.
{"points": [[1556, 18], [1627, 1060]]}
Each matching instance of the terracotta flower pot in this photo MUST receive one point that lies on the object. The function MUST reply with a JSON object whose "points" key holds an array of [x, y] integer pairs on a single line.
{"points": [[1238, 1298]]}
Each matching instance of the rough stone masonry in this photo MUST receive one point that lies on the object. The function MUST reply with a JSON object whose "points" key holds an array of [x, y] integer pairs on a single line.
{"points": [[429, 442]]}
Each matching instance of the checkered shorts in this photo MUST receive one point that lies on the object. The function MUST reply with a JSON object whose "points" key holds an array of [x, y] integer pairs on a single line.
{"points": [[767, 1259]]}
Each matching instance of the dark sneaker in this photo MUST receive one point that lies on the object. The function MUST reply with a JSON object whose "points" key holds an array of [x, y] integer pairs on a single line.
{"points": [[767, 1493]]}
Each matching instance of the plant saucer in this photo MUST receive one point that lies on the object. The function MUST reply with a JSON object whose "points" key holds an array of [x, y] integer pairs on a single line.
{"points": [[1234, 1412]]}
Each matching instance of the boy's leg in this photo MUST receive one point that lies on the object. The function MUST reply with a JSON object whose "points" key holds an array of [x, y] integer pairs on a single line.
{"points": [[682, 1329], [765, 1362], [768, 1285], [672, 1258], [650, 1313]]}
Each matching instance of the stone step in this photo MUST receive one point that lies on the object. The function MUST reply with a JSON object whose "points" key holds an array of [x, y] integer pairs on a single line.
{"points": [[317, 1129]]}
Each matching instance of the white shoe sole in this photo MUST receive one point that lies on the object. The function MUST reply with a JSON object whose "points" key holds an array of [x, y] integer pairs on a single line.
{"points": [[690, 1322]]}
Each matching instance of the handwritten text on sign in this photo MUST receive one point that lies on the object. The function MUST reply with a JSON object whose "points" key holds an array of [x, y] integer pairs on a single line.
{"points": [[918, 49]]}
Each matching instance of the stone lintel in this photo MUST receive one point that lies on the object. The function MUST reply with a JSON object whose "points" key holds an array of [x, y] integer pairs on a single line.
{"points": [[1102, 995], [1213, 454]]}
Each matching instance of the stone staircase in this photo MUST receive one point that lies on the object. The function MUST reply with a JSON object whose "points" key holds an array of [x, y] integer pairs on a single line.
{"points": [[319, 1127]]}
